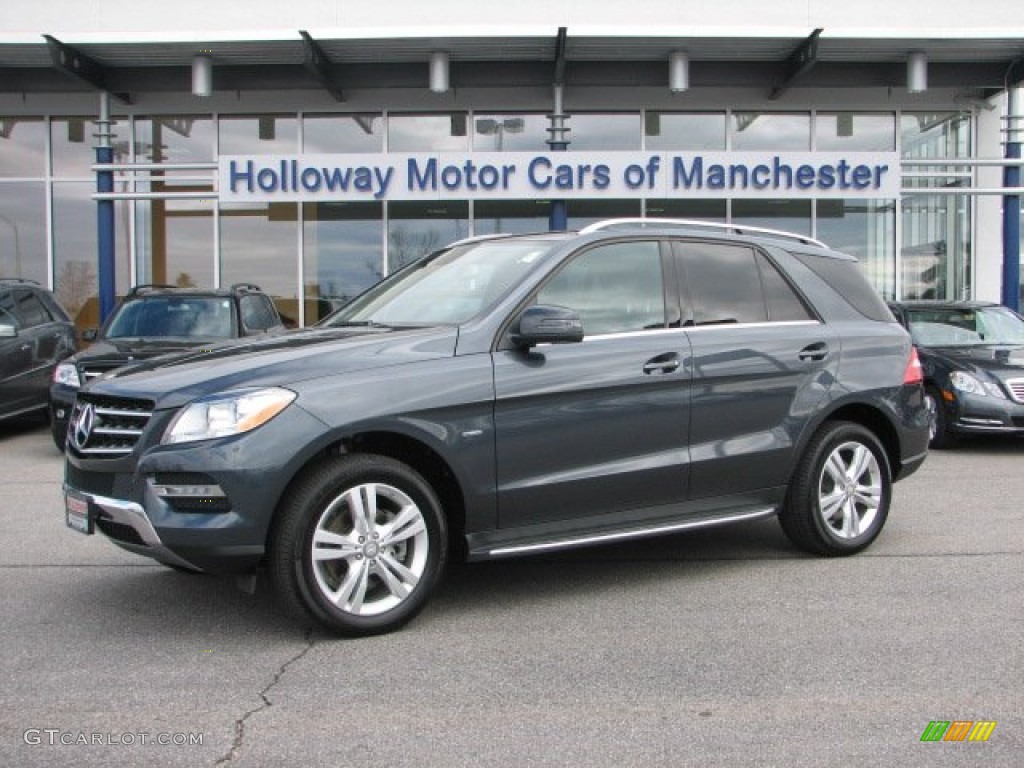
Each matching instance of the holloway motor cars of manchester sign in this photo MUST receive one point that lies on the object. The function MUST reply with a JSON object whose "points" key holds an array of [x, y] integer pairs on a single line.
{"points": [[564, 175]]}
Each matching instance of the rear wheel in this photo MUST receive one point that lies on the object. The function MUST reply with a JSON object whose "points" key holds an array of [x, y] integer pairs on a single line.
{"points": [[839, 497], [359, 545]]}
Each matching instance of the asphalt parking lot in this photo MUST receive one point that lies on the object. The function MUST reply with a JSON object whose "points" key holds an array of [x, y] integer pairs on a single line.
{"points": [[722, 647]]}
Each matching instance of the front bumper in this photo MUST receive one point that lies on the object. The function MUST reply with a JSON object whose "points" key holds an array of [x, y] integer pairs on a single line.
{"points": [[62, 401], [206, 505], [126, 524], [974, 414]]}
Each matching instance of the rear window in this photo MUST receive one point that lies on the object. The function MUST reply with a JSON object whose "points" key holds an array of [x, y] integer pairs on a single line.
{"points": [[847, 280]]}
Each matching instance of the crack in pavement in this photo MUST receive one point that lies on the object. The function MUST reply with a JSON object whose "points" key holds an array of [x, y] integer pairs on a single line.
{"points": [[236, 745]]}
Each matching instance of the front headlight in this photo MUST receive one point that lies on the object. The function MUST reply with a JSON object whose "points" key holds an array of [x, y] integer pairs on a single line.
{"points": [[972, 385], [227, 414], [66, 374]]}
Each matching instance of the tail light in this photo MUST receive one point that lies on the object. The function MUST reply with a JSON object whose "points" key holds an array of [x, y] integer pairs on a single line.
{"points": [[914, 374]]}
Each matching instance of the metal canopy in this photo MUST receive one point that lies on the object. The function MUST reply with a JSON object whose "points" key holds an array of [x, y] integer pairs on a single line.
{"points": [[799, 63], [79, 65], [317, 63], [816, 60]]}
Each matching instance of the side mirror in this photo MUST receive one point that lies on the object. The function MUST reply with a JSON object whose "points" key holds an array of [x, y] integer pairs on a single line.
{"points": [[8, 331], [547, 324], [90, 334]]}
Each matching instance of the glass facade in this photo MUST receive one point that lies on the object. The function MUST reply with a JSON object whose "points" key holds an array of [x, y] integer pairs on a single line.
{"points": [[314, 256], [935, 254]]}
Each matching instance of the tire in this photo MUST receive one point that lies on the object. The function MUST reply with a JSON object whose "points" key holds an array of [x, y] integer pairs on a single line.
{"points": [[839, 498], [336, 555], [939, 434]]}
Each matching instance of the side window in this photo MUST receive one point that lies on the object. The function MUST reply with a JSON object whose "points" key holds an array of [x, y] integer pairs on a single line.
{"points": [[783, 302], [257, 313], [7, 316], [724, 284], [30, 309], [616, 288]]}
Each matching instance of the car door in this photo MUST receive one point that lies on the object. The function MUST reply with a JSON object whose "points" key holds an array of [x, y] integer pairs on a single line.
{"points": [[46, 337], [16, 358], [762, 361], [598, 427]]}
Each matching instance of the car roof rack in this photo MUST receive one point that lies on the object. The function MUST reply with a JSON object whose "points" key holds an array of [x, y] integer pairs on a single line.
{"points": [[136, 290], [241, 287], [17, 280], [739, 229], [479, 239]]}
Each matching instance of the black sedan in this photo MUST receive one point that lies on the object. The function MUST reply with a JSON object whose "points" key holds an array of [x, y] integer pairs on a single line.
{"points": [[973, 358]]}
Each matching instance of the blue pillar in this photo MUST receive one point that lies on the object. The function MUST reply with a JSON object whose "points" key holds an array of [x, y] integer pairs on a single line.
{"points": [[105, 234], [1011, 224]]}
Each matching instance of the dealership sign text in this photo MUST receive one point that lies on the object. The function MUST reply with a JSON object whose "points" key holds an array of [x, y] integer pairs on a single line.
{"points": [[558, 175]]}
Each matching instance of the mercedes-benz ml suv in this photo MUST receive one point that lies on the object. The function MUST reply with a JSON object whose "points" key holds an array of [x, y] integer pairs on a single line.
{"points": [[512, 395]]}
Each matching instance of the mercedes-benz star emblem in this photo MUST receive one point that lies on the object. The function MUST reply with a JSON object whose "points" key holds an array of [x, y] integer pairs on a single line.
{"points": [[81, 426]]}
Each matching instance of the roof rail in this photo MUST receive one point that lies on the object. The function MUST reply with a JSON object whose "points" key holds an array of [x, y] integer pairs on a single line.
{"points": [[245, 287], [136, 290], [478, 238], [739, 229], [15, 280]]}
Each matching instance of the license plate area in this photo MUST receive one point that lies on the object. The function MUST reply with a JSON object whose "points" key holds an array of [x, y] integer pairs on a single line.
{"points": [[77, 514]]}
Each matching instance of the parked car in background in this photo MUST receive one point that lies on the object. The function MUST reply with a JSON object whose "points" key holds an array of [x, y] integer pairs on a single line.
{"points": [[154, 320], [512, 395], [972, 354], [35, 336]]}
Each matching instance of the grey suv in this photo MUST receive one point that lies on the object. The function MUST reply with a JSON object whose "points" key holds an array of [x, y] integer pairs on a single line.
{"points": [[513, 395], [35, 335]]}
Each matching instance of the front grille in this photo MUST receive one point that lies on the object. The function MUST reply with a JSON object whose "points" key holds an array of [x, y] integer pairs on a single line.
{"points": [[107, 426], [1016, 387]]}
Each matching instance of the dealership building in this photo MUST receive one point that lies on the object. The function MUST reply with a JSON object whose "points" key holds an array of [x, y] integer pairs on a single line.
{"points": [[314, 146]]}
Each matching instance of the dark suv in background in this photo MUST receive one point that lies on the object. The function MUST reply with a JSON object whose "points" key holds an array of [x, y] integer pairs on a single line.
{"points": [[35, 335], [154, 320], [513, 395]]}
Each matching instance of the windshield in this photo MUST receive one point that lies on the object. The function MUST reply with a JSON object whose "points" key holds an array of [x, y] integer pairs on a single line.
{"points": [[952, 327], [446, 288], [190, 317]]}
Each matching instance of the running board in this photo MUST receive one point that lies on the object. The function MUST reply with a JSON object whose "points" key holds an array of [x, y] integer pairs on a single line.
{"points": [[607, 538]]}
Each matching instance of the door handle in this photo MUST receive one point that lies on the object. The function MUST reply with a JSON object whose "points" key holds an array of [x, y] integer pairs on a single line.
{"points": [[814, 352], [665, 363]]}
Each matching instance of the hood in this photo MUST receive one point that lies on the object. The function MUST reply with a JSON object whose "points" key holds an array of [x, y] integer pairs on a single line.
{"points": [[1004, 360], [276, 360], [131, 349]]}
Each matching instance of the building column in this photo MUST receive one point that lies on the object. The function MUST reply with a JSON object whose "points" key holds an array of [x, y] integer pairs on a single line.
{"points": [[1011, 202], [106, 264]]}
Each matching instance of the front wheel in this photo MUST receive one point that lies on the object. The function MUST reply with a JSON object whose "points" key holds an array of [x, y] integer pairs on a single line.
{"points": [[358, 545], [939, 434], [839, 498]]}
